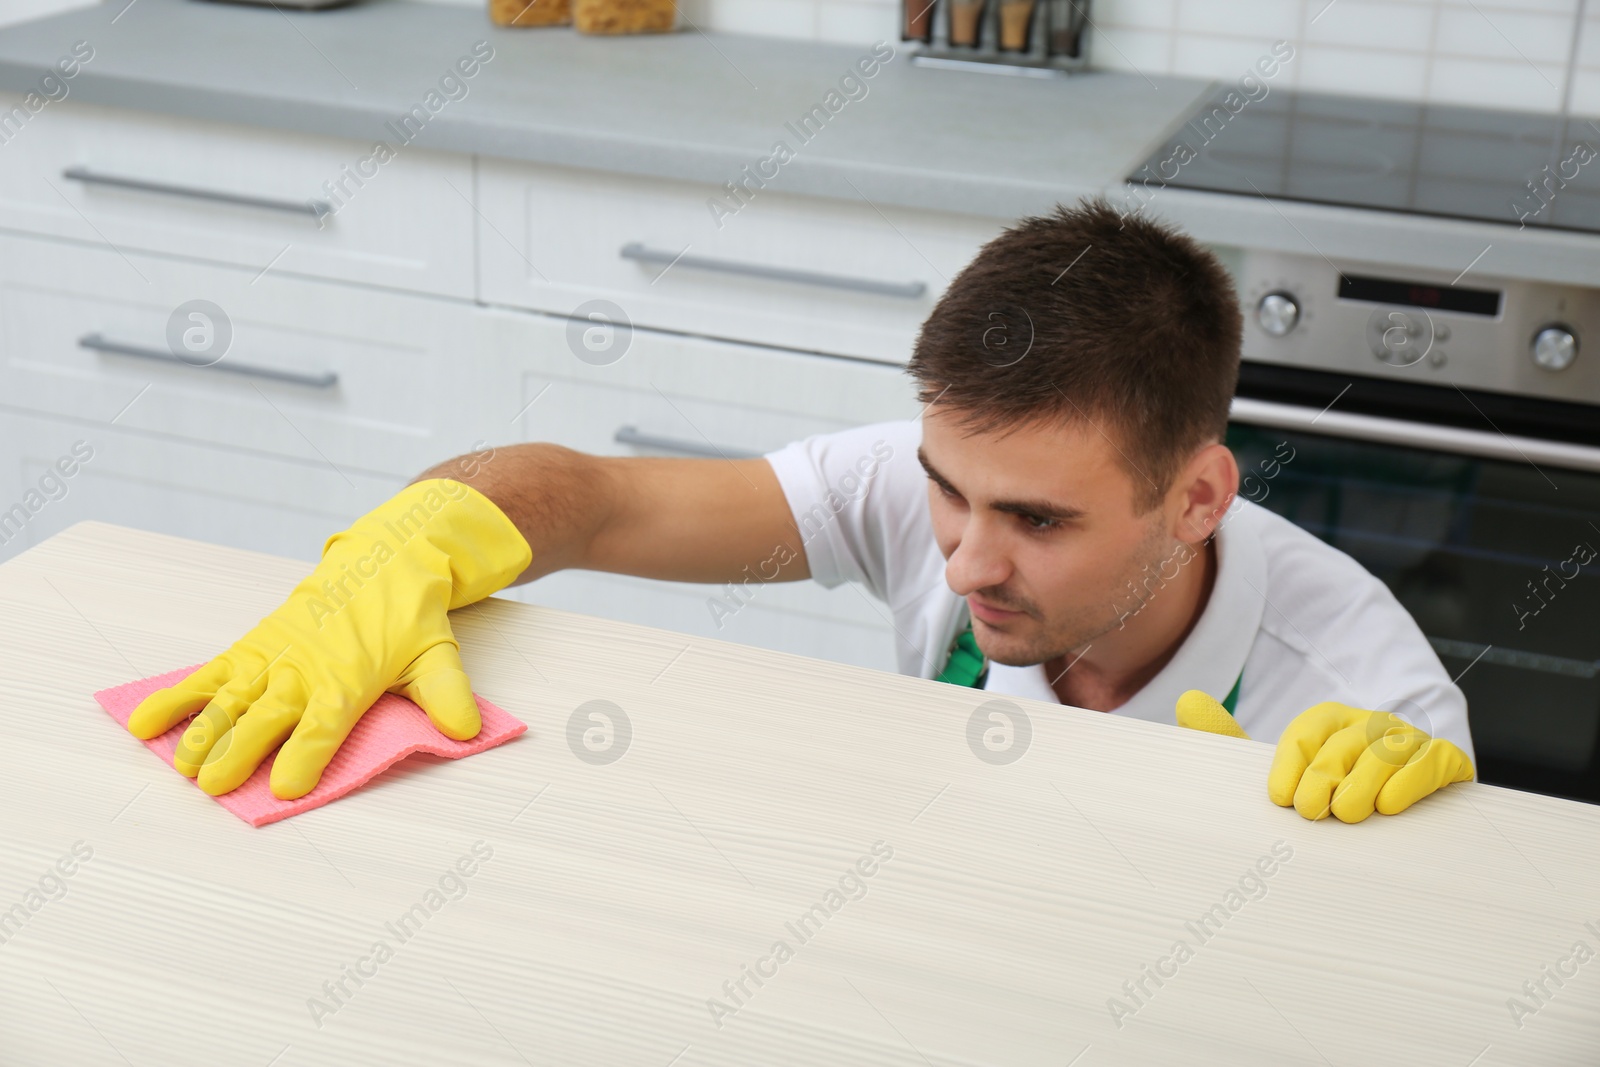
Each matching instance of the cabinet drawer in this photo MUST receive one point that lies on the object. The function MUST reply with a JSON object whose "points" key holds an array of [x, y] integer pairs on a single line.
{"points": [[776, 622], [248, 197], [354, 378], [679, 395], [798, 272], [155, 483], [675, 395]]}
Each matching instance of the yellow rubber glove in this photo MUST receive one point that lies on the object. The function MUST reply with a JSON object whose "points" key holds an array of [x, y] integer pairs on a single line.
{"points": [[371, 617], [1199, 711], [1350, 762]]}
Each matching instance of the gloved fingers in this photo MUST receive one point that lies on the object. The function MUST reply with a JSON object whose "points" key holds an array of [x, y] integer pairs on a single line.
{"points": [[1357, 796], [235, 756], [231, 700], [165, 708], [234, 697], [200, 737], [439, 685], [1433, 766], [1312, 796], [1300, 743], [331, 713], [1197, 710]]}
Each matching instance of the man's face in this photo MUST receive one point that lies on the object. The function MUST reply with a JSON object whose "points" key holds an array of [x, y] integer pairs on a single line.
{"points": [[1039, 533]]}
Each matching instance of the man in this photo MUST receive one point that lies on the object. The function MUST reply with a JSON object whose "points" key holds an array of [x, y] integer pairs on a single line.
{"points": [[1062, 523]]}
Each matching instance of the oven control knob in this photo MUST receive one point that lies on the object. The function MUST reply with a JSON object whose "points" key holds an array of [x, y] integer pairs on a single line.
{"points": [[1554, 348], [1277, 313]]}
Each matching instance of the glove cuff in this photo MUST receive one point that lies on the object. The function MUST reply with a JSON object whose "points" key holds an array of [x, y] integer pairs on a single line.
{"points": [[484, 549]]}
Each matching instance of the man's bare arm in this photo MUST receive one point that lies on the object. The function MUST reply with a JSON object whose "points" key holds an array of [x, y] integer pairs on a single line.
{"points": [[687, 520]]}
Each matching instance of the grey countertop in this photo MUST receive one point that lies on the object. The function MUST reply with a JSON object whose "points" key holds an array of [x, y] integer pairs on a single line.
{"points": [[698, 107], [683, 105]]}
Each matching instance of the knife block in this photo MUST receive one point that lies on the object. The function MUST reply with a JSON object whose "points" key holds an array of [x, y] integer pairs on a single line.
{"points": [[1055, 35]]}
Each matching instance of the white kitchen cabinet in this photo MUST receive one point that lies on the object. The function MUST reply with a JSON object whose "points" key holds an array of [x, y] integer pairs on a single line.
{"points": [[360, 379], [777, 619], [358, 356], [675, 395], [153, 482], [242, 196], [799, 272]]}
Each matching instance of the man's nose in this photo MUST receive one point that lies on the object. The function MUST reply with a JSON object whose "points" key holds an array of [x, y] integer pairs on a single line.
{"points": [[977, 561]]}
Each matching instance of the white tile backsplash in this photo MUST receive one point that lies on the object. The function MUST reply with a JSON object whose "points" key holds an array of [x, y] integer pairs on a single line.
{"points": [[773, 18], [1236, 20], [1585, 88], [1530, 37], [857, 23], [1494, 53], [1213, 56], [1146, 14], [1368, 72], [1366, 26], [1510, 84], [1517, 54], [1137, 49]]}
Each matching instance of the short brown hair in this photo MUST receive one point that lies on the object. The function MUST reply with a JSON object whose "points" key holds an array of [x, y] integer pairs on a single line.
{"points": [[1088, 314]]}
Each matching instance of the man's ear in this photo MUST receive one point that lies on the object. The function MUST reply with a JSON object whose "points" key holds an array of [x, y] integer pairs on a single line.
{"points": [[1202, 493]]}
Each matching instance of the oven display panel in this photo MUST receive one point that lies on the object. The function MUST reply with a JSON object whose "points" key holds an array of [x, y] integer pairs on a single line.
{"points": [[1412, 294]]}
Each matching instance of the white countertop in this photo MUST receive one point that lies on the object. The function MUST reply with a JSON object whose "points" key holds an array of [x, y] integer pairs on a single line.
{"points": [[619, 898]]}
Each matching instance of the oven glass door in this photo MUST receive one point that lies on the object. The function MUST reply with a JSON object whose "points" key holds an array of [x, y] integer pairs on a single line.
{"points": [[1499, 563]]}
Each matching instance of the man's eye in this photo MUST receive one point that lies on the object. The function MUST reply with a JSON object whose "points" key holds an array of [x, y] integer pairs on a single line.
{"points": [[1038, 522]]}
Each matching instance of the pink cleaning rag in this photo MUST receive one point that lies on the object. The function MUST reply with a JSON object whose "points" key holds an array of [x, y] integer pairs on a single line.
{"points": [[391, 730]]}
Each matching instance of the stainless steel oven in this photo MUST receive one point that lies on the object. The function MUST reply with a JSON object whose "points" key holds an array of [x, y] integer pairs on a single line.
{"points": [[1448, 438], [1445, 426]]}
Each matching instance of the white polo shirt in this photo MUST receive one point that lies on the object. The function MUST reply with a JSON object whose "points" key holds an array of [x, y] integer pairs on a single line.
{"points": [[1293, 620]]}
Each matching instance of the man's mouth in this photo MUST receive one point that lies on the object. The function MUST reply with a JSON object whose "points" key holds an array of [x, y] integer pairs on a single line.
{"points": [[989, 613]]}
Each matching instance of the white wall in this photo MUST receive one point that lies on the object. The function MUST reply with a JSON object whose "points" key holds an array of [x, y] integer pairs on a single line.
{"points": [[1518, 54], [1521, 54], [839, 21], [1495, 53]]}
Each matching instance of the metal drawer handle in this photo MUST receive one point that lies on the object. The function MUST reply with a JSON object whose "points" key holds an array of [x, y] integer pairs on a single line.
{"points": [[630, 435], [317, 209], [1380, 430], [907, 290], [325, 380]]}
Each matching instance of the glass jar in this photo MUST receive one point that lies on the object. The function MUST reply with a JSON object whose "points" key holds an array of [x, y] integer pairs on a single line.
{"points": [[530, 12], [625, 16]]}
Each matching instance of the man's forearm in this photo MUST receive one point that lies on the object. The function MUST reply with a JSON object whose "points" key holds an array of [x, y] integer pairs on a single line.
{"points": [[685, 520], [557, 498]]}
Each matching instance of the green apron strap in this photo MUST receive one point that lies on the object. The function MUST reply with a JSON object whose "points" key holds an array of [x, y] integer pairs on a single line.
{"points": [[967, 665], [1231, 701]]}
